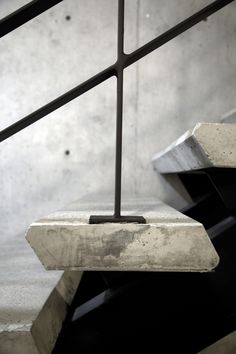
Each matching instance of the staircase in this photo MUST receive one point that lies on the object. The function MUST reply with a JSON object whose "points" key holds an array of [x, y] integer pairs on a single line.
{"points": [[130, 244]]}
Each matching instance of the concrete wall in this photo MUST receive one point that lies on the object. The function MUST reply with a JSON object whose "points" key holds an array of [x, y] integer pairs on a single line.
{"points": [[70, 153]]}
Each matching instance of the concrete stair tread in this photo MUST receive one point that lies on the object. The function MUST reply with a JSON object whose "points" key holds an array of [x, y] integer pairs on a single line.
{"points": [[169, 241], [226, 345], [207, 145], [33, 302]]}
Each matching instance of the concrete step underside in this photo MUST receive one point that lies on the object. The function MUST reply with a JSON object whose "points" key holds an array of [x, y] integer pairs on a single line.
{"points": [[207, 145], [33, 302], [169, 241]]}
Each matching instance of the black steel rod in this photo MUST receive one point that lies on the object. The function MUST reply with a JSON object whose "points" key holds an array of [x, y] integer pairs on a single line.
{"points": [[175, 31], [57, 103], [112, 70], [119, 109], [119, 71], [25, 14]]}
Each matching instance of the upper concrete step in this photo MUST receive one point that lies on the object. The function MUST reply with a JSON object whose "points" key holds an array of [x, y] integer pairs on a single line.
{"points": [[33, 302], [207, 145], [169, 241]]}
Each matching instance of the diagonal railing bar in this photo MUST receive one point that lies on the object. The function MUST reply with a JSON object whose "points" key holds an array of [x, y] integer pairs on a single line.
{"points": [[127, 60], [175, 31], [123, 61], [57, 103], [25, 14]]}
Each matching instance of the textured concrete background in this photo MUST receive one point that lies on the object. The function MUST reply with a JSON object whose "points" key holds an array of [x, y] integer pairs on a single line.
{"points": [[188, 80]]}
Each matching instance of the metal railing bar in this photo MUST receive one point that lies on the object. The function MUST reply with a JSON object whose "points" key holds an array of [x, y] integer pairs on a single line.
{"points": [[57, 103], [175, 31], [25, 14], [119, 109], [119, 71], [124, 61]]}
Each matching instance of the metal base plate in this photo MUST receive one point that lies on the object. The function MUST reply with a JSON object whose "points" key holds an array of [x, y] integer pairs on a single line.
{"points": [[102, 219]]}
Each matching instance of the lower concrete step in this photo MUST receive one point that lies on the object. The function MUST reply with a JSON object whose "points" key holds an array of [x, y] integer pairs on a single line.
{"points": [[226, 345], [33, 302], [169, 241]]}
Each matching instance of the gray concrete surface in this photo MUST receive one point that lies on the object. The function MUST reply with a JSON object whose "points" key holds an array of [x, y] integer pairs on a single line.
{"points": [[206, 145], [226, 345], [169, 241], [191, 79], [33, 302]]}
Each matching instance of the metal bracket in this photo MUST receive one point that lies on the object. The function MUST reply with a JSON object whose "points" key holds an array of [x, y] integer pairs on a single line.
{"points": [[101, 219]]}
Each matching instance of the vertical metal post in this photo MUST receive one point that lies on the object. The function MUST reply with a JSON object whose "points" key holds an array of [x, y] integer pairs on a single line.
{"points": [[119, 109], [119, 70]]}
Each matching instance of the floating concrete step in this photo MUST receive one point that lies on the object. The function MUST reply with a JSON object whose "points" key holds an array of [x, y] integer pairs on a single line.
{"points": [[33, 302], [169, 241], [207, 145]]}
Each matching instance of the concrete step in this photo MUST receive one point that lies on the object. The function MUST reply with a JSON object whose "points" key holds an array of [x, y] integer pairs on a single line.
{"points": [[207, 145], [226, 345], [33, 302], [169, 241]]}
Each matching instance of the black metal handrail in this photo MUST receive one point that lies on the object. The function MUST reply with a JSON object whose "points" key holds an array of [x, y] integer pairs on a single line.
{"points": [[25, 14], [35, 8]]}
